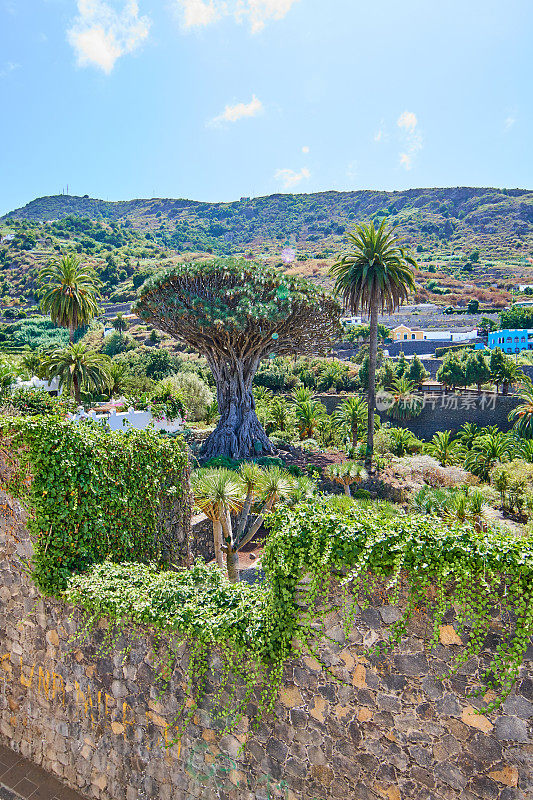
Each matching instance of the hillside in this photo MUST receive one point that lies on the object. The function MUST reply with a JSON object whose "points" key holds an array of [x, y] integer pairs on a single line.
{"points": [[469, 242], [497, 222]]}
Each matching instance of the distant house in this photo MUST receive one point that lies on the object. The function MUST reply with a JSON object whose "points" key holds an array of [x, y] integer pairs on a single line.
{"points": [[402, 334], [523, 303], [351, 321], [512, 340], [7, 238]]}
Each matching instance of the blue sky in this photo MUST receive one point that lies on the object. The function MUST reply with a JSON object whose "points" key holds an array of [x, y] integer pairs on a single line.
{"points": [[218, 99]]}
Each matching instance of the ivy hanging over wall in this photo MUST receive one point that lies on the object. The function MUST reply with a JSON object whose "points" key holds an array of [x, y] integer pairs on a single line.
{"points": [[256, 630], [92, 494]]}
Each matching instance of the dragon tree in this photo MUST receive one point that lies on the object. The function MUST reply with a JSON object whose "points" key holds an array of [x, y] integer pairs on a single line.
{"points": [[236, 313]]}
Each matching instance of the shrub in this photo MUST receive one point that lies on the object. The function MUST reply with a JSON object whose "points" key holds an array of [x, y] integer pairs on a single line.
{"points": [[31, 402], [116, 343], [195, 393], [514, 482]]}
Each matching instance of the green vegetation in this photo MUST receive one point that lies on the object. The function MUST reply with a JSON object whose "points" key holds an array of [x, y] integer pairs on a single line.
{"points": [[94, 494], [257, 629]]}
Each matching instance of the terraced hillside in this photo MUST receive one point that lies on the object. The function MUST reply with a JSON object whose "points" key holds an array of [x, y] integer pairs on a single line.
{"points": [[470, 242]]}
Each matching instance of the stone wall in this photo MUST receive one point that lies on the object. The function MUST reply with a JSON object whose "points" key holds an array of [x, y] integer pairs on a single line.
{"points": [[447, 411], [384, 729]]}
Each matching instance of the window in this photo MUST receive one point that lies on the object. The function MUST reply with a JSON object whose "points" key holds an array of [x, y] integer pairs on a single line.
{"points": [[413, 336], [405, 336]]}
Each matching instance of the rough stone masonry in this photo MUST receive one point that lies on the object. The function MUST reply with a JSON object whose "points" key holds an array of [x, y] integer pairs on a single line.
{"points": [[388, 730]]}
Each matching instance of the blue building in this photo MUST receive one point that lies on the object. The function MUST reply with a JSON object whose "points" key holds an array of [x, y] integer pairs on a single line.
{"points": [[512, 340]]}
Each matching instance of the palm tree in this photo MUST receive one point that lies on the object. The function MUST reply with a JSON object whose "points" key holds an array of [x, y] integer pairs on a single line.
{"points": [[374, 274], [301, 394], [308, 413], [79, 368], [70, 291], [120, 323], [218, 493], [280, 414], [405, 403], [522, 415], [352, 415], [117, 379], [346, 474], [468, 434], [445, 448], [487, 451]]}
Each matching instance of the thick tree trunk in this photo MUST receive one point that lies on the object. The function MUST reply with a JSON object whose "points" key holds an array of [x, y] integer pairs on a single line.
{"points": [[239, 434], [372, 360]]}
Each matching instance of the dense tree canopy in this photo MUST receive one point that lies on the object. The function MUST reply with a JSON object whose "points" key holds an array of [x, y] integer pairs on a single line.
{"points": [[236, 313]]}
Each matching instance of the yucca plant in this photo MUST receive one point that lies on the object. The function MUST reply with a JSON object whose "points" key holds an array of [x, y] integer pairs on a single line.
{"points": [[275, 485], [346, 474], [218, 494]]}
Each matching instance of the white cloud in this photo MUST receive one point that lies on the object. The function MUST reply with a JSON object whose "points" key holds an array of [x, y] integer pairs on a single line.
{"points": [[509, 122], [378, 136], [100, 34], [306, 149], [413, 142], [238, 111], [407, 120], [289, 178], [8, 68], [199, 13], [260, 11]]}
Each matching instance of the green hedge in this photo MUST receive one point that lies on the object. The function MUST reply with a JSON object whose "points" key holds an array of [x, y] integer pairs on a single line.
{"points": [[93, 495]]}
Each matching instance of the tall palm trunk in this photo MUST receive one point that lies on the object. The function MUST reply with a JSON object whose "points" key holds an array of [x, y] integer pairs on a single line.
{"points": [[372, 361], [76, 387]]}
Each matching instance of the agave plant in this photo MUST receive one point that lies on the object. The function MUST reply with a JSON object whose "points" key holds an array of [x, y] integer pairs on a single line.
{"points": [[346, 474]]}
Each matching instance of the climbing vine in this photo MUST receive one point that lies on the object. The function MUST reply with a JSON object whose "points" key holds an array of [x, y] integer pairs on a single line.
{"points": [[254, 630], [92, 494]]}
